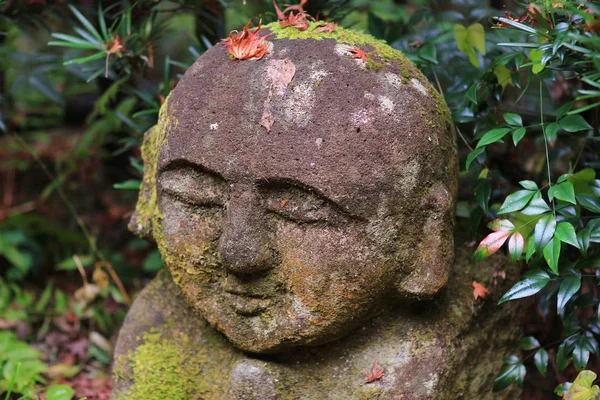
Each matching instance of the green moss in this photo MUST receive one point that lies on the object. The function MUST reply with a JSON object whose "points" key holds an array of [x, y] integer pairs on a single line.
{"points": [[173, 369], [147, 215], [374, 47]]}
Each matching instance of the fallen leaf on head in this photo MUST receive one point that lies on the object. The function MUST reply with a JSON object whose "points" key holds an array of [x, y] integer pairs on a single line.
{"points": [[246, 45], [479, 291], [299, 20], [326, 27], [358, 53], [375, 374]]}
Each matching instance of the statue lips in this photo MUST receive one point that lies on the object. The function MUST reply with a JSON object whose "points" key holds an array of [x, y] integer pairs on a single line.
{"points": [[245, 302]]}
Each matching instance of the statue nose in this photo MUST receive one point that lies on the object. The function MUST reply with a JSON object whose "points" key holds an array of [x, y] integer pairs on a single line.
{"points": [[244, 243]]}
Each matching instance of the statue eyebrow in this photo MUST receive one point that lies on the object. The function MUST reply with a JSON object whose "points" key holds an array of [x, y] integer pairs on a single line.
{"points": [[290, 183], [185, 164]]}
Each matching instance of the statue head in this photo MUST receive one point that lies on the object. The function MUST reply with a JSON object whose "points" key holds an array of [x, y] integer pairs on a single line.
{"points": [[295, 196]]}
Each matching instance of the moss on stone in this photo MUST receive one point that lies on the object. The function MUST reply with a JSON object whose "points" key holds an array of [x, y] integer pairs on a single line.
{"points": [[175, 367], [378, 48], [166, 369], [147, 215]]}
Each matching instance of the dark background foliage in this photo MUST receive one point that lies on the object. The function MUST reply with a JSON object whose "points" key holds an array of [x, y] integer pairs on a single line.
{"points": [[81, 81]]}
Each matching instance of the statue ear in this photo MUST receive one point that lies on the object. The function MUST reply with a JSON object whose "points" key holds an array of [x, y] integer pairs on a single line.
{"points": [[435, 252], [142, 220]]}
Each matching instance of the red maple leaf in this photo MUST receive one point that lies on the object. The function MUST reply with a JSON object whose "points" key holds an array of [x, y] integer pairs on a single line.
{"points": [[358, 53], [375, 374], [244, 45], [326, 27], [479, 291], [299, 20]]}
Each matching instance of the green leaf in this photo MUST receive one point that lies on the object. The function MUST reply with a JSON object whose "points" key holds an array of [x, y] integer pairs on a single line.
{"points": [[476, 37], [541, 361], [537, 68], [503, 75], [536, 206], [529, 185], [583, 388], [516, 201], [517, 25], [482, 195], [133, 184], [498, 225], [544, 230], [562, 389], [594, 227], [44, 298], [566, 233], [492, 136], [590, 202], [471, 93], [83, 60], [513, 119], [562, 356], [533, 282], [517, 135], [153, 262], [20, 351], [87, 24], [563, 191], [583, 239], [581, 356], [582, 180], [69, 263], [515, 246], [529, 343], [568, 287], [472, 156], [460, 36], [551, 131], [514, 373], [59, 392], [530, 248], [536, 55], [574, 123], [552, 253], [429, 53]]}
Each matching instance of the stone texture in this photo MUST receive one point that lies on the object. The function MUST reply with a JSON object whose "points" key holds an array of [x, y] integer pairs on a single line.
{"points": [[450, 347], [303, 206], [297, 235]]}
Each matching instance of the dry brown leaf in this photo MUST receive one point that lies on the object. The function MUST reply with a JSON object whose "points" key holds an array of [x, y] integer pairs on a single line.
{"points": [[279, 74]]}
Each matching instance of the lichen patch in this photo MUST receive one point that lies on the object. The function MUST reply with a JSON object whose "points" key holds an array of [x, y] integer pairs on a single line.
{"points": [[393, 80], [386, 104], [419, 86], [361, 117], [299, 104]]}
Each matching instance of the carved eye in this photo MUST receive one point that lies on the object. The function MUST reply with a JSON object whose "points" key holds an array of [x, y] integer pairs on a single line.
{"points": [[196, 189], [302, 206]]}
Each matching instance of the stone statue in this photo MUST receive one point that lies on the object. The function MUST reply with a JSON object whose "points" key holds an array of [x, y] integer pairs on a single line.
{"points": [[303, 206]]}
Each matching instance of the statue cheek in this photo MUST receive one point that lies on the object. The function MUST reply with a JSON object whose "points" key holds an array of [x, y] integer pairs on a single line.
{"points": [[328, 270]]}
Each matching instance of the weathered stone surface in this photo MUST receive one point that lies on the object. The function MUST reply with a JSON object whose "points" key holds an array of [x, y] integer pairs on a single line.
{"points": [[450, 347], [298, 235], [303, 205]]}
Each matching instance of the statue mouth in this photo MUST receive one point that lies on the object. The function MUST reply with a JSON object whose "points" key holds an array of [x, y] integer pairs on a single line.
{"points": [[248, 304]]}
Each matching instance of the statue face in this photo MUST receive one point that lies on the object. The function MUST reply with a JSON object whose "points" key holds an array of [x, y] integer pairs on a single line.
{"points": [[296, 236]]}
